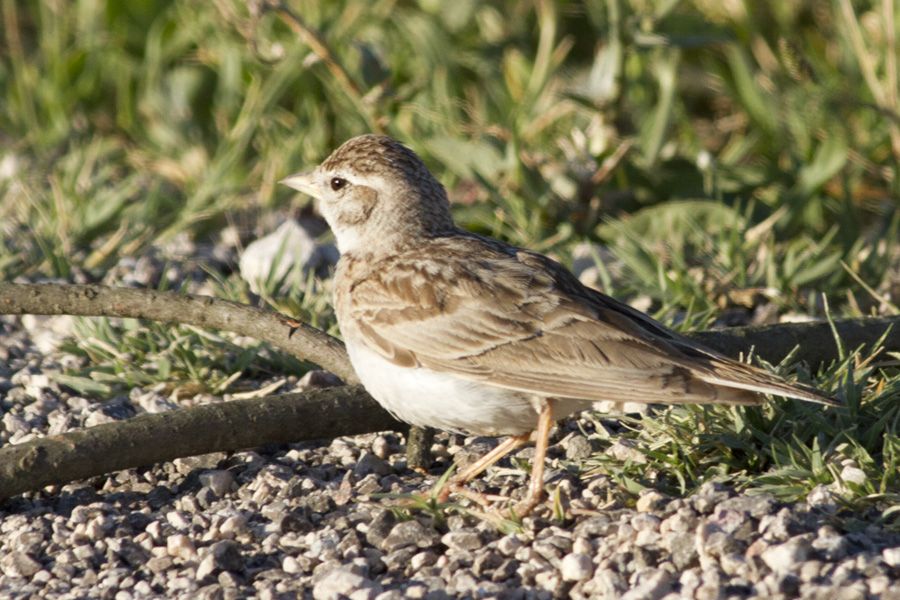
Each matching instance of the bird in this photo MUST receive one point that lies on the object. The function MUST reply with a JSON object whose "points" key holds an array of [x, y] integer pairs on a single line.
{"points": [[457, 331]]}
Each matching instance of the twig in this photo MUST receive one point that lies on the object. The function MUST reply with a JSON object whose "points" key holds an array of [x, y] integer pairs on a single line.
{"points": [[299, 339], [224, 426]]}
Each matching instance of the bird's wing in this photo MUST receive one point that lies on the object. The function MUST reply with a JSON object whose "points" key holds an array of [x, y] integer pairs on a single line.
{"points": [[519, 320]]}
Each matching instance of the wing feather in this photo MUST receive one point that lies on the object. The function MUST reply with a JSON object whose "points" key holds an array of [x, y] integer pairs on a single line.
{"points": [[519, 320]]}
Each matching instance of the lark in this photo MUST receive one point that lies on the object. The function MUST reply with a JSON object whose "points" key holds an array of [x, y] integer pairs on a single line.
{"points": [[457, 331]]}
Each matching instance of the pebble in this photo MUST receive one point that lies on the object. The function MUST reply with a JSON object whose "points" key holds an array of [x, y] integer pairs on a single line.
{"points": [[341, 582], [219, 481], [576, 567], [180, 546], [462, 541], [409, 533], [786, 557], [891, 556]]}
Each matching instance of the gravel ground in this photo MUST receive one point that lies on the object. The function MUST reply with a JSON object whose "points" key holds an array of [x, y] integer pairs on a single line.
{"points": [[306, 521], [301, 521]]}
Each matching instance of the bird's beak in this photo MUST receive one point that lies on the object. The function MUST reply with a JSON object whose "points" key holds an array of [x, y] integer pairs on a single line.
{"points": [[302, 182]]}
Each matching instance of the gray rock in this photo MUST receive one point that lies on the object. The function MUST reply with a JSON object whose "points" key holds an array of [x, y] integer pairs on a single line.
{"points": [[786, 557], [708, 497], [462, 541], [288, 252], [380, 527], [830, 544], [369, 463], [652, 586], [409, 533], [682, 548], [20, 564], [650, 500], [576, 567], [180, 546], [227, 555], [509, 544], [342, 582], [317, 379], [220, 481], [578, 448]]}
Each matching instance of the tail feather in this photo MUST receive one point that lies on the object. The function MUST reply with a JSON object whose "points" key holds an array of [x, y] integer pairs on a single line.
{"points": [[740, 376]]}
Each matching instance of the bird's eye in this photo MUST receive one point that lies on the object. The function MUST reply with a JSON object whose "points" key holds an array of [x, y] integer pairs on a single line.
{"points": [[338, 183]]}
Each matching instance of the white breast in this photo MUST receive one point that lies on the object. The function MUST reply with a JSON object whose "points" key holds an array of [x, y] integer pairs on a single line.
{"points": [[431, 399]]}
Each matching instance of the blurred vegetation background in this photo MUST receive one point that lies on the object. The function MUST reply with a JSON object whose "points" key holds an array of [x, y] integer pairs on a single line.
{"points": [[723, 160], [756, 145]]}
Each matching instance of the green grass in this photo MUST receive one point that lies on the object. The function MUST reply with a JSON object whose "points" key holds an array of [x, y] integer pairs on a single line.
{"points": [[784, 447], [731, 157]]}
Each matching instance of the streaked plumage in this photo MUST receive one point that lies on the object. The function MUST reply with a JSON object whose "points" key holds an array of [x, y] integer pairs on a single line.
{"points": [[457, 331]]}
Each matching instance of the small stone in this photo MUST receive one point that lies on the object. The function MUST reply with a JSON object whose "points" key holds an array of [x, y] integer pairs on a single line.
{"points": [[286, 255], [462, 583], [316, 379], [879, 585], [650, 501], [180, 546], [578, 448], [219, 481], [340, 582], [853, 474], [756, 505], [178, 520], [422, 559], [626, 450], [822, 499], [786, 557], [682, 548], [831, 544], [83, 552], [652, 586], [708, 497], [462, 541], [159, 564], [380, 527], [20, 564], [779, 526], [369, 463], [227, 555], [810, 570], [291, 565], [576, 567], [509, 545], [132, 554], [206, 567], [381, 447], [409, 533], [891, 556], [234, 525]]}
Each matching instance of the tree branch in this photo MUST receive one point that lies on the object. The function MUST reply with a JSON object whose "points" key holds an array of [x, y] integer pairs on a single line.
{"points": [[814, 342], [299, 339], [152, 438]]}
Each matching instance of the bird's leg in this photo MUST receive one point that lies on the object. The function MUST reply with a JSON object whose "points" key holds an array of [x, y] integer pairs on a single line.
{"points": [[536, 485], [482, 464]]}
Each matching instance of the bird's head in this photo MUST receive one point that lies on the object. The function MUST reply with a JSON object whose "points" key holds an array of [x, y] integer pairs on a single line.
{"points": [[376, 193]]}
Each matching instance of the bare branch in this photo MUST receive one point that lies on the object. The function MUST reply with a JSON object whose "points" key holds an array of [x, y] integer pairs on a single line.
{"points": [[152, 438], [299, 339]]}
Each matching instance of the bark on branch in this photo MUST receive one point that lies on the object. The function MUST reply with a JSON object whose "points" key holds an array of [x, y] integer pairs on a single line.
{"points": [[152, 438], [317, 414], [299, 339]]}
